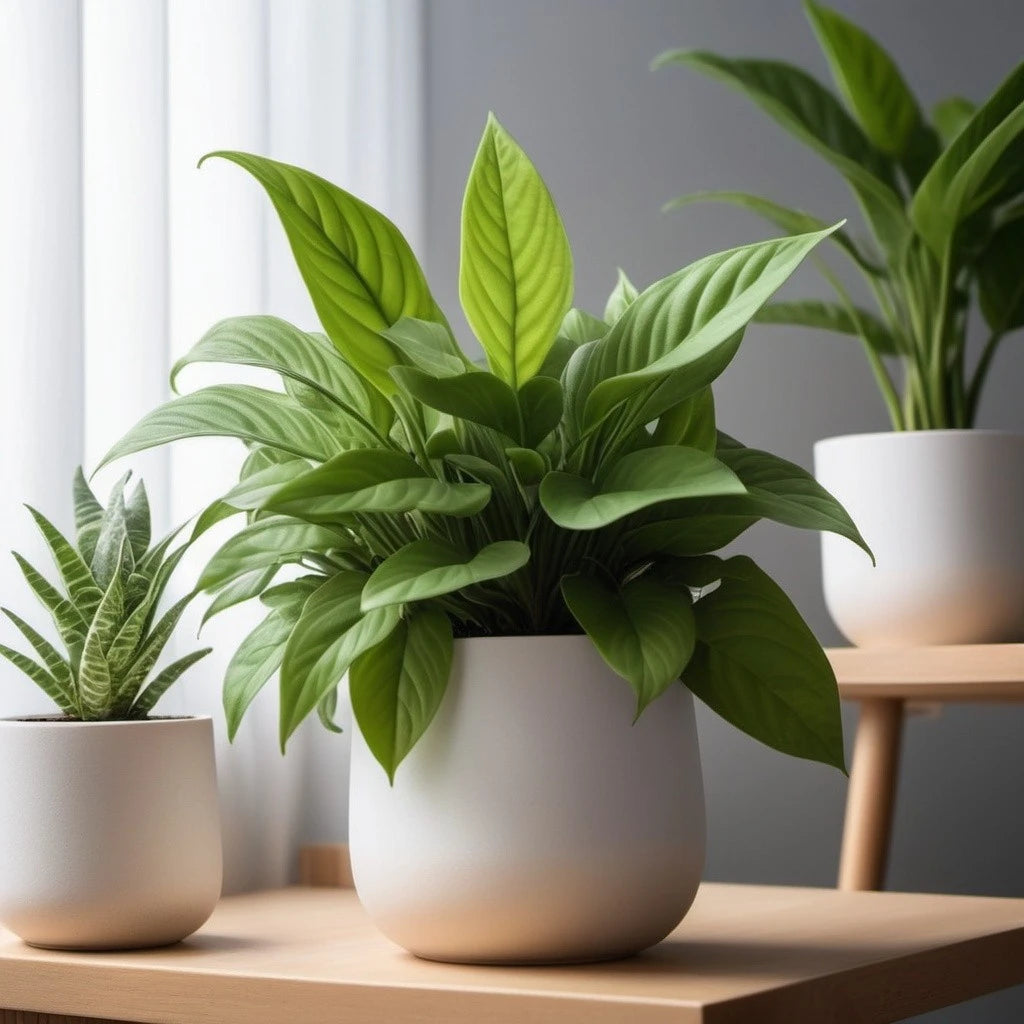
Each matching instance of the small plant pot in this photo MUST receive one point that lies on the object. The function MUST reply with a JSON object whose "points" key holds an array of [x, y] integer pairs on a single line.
{"points": [[109, 831], [533, 822], [943, 511]]}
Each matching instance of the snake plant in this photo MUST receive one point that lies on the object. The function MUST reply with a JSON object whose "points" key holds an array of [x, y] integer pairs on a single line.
{"points": [[399, 495], [104, 610], [943, 197]]}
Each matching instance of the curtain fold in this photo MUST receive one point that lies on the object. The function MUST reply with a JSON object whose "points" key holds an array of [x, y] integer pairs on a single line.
{"points": [[117, 253]]}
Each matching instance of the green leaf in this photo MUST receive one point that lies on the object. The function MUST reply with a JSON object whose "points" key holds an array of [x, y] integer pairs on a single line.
{"points": [[262, 544], [691, 423], [808, 111], [361, 274], [76, 575], [369, 480], [622, 296], [430, 568], [291, 596], [88, 514], [265, 342], [478, 397], [326, 710], [151, 650], [679, 335], [950, 117], [329, 634], [540, 408], [689, 533], [981, 164], [1001, 278], [66, 617], [251, 414], [146, 700], [428, 346], [529, 465], [41, 678], [515, 273], [96, 687], [57, 667], [113, 552], [137, 521], [830, 316], [397, 686], [644, 629], [795, 222], [758, 666], [243, 588], [638, 480], [868, 79], [254, 490]]}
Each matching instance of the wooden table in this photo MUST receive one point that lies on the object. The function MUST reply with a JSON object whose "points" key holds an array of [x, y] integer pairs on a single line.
{"points": [[884, 682], [759, 955]]}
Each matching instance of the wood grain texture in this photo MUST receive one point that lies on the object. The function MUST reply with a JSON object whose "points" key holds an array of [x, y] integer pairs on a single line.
{"points": [[25, 1017], [871, 795], [744, 954], [972, 672], [325, 865]]}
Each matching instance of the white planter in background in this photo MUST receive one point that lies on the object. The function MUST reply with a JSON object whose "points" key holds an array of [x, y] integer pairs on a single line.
{"points": [[533, 822], [943, 511], [109, 831]]}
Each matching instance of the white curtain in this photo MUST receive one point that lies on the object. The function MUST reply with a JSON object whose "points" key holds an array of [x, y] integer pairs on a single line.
{"points": [[116, 253]]}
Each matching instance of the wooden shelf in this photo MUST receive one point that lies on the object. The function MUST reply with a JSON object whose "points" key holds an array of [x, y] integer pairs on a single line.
{"points": [[972, 672], [744, 954]]}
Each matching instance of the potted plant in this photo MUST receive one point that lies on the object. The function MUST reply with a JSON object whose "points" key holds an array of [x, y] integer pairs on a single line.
{"points": [[109, 828], [519, 556], [943, 197]]}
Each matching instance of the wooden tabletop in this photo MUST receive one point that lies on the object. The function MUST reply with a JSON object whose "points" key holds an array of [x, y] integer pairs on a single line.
{"points": [[744, 954], [971, 672]]}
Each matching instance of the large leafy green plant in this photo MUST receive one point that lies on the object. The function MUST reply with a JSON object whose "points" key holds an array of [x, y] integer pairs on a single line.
{"points": [[943, 198], [105, 610], [577, 483]]}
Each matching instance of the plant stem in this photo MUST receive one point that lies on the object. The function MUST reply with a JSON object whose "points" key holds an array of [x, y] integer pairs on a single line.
{"points": [[937, 362], [980, 373]]}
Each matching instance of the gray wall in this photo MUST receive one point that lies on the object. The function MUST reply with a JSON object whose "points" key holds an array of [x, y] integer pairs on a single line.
{"points": [[570, 79]]}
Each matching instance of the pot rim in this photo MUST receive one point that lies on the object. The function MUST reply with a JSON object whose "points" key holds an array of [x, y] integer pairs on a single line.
{"points": [[943, 432], [49, 720], [535, 637]]}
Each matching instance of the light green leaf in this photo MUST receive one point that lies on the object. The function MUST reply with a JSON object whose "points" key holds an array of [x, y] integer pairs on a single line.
{"points": [[249, 413], [691, 423], [644, 629], [88, 514], [950, 117], [679, 335], [265, 543], [113, 552], [397, 686], [478, 397], [515, 273], [977, 169], [66, 617], [622, 296], [96, 687], [253, 491], [638, 480], [869, 80], [830, 316], [795, 222], [41, 678], [330, 633], [430, 568], [164, 680], [57, 667], [76, 575], [759, 666], [151, 649], [808, 111], [373, 481], [427, 345], [361, 274], [269, 343], [243, 588], [137, 521]]}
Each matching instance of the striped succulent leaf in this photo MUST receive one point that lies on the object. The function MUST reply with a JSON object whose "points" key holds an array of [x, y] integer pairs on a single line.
{"points": [[105, 606]]}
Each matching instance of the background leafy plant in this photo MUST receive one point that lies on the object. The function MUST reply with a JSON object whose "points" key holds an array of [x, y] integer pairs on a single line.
{"points": [[942, 196], [105, 610], [578, 483]]}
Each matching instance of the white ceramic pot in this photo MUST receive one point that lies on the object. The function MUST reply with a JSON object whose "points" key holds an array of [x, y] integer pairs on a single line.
{"points": [[533, 822], [943, 511], [109, 831]]}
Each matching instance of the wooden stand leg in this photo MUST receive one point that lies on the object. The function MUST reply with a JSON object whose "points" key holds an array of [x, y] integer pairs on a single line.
{"points": [[869, 801]]}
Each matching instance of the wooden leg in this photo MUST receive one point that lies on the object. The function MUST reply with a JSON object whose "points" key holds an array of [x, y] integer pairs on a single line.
{"points": [[871, 794]]}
